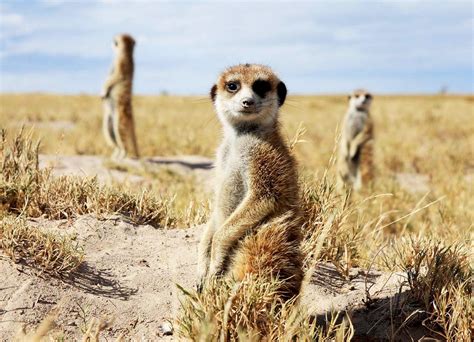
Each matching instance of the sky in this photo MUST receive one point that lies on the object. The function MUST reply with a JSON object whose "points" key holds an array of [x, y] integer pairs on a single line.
{"points": [[404, 46]]}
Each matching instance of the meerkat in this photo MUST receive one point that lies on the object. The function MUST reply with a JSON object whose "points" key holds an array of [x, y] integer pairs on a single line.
{"points": [[118, 124], [355, 159], [255, 223]]}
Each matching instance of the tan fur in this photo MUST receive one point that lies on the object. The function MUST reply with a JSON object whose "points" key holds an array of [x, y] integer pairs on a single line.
{"points": [[255, 224], [355, 157], [118, 124]]}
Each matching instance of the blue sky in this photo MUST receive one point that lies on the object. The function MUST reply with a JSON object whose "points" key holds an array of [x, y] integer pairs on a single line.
{"points": [[404, 46]]}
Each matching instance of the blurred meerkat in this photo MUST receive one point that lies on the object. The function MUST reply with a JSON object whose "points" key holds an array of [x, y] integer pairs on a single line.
{"points": [[355, 158], [255, 224], [118, 124]]}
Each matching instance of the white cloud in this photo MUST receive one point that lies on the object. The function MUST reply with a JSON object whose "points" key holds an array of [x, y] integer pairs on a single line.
{"points": [[11, 24], [301, 40]]}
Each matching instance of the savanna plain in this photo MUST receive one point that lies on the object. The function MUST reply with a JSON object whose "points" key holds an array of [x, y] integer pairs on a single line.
{"points": [[96, 249]]}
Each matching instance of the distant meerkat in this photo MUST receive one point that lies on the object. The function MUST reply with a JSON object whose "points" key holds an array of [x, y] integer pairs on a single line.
{"points": [[255, 224], [118, 124], [355, 159]]}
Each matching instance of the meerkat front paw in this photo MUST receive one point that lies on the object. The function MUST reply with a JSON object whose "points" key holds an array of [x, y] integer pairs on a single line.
{"points": [[200, 284], [353, 150], [216, 267], [104, 94], [202, 277]]}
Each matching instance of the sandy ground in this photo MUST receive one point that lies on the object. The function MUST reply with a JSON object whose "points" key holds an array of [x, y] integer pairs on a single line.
{"points": [[130, 274], [131, 271]]}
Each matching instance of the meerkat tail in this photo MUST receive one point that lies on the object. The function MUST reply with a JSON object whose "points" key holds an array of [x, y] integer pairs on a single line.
{"points": [[257, 255], [134, 143]]}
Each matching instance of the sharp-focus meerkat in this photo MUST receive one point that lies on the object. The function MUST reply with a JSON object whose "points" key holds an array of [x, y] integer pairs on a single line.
{"points": [[255, 224], [118, 124], [355, 161]]}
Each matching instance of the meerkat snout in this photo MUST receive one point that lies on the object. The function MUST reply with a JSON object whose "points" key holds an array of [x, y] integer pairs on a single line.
{"points": [[248, 102]]}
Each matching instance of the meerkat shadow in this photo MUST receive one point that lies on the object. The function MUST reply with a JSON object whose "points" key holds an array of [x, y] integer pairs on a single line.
{"points": [[375, 315], [190, 164], [378, 320]]}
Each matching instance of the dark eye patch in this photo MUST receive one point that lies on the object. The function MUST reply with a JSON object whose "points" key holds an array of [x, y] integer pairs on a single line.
{"points": [[261, 87]]}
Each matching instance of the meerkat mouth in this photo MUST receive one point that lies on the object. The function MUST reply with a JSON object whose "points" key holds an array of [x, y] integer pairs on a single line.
{"points": [[248, 111]]}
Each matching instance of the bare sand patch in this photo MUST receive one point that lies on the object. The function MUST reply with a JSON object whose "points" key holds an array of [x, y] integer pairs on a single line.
{"points": [[130, 275]]}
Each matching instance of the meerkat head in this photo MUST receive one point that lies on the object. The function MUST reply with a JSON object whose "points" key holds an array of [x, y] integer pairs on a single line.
{"points": [[360, 99], [248, 94], [123, 42]]}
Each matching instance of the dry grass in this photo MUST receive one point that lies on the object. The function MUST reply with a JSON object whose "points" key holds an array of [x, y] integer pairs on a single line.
{"points": [[440, 279], [249, 311], [417, 137], [27, 190], [185, 194], [46, 329], [51, 254]]}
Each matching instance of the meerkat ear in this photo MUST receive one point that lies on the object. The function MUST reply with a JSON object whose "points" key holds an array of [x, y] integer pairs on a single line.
{"points": [[213, 93], [349, 97], [281, 92]]}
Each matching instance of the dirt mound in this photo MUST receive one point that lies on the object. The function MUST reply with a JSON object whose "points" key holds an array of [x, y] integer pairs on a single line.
{"points": [[130, 272]]}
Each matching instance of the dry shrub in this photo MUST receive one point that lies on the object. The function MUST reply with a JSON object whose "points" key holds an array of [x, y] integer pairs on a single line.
{"points": [[189, 198], [328, 213], [452, 314], [27, 189], [440, 279], [52, 254], [251, 311]]}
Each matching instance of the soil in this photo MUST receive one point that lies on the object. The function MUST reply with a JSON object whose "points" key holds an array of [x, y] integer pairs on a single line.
{"points": [[130, 274]]}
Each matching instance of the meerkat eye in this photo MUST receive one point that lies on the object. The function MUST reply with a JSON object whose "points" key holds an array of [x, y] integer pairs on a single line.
{"points": [[232, 87], [368, 96], [261, 87]]}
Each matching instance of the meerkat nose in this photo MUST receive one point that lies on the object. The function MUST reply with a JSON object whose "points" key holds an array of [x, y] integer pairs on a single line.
{"points": [[248, 102]]}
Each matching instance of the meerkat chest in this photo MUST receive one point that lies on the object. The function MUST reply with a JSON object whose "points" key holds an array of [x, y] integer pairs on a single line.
{"points": [[355, 122], [232, 184]]}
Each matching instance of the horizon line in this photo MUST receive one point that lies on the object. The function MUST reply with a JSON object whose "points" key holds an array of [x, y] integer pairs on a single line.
{"points": [[164, 94]]}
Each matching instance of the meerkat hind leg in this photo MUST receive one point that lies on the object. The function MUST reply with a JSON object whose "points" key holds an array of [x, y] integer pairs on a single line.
{"points": [[108, 123], [357, 181], [258, 256]]}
